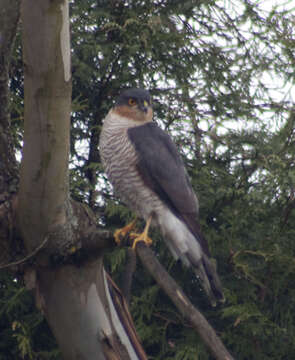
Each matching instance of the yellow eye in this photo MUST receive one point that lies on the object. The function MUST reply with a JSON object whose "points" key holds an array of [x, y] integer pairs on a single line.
{"points": [[131, 102]]}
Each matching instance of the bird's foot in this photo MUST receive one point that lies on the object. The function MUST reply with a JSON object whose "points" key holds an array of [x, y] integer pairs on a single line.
{"points": [[140, 237], [143, 236], [120, 234]]}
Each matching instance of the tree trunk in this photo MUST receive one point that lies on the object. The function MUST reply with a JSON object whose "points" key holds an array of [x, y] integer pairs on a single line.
{"points": [[82, 306], [47, 79], [79, 308]]}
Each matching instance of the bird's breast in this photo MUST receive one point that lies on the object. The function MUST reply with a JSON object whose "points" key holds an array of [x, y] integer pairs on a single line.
{"points": [[120, 160]]}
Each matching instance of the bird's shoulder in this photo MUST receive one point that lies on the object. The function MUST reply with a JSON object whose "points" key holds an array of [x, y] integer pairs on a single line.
{"points": [[151, 139]]}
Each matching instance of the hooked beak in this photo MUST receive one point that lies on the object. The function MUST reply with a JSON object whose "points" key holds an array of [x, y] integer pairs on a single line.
{"points": [[144, 106]]}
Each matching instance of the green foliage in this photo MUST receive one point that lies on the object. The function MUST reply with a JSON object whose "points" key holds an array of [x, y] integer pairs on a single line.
{"points": [[24, 333], [212, 69]]}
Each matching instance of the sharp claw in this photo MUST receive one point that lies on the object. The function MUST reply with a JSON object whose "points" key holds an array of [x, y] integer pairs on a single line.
{"points": [[140, 237], [120, 234]]}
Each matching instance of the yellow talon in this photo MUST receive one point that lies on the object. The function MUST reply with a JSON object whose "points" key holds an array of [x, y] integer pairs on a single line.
{"points": [[121, 233], [143, 236], [140, 237]]}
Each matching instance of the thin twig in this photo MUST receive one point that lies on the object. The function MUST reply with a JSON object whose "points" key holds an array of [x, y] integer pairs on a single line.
{"points": [[26, 258]]}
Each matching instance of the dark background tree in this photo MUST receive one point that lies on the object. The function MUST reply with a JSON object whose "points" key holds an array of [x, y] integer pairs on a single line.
{"points": [[212, 71]]}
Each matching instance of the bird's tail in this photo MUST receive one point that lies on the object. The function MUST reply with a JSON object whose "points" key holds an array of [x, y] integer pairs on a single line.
{"points": [[188, 244], [205, 270]]}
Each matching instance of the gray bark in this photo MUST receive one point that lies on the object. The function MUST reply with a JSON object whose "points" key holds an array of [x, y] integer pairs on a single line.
{"points": [[81, 313], [84, 311], [47, 79]]}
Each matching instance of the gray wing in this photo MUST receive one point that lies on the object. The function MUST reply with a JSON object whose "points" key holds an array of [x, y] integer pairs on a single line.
{"points": [[162, 170]]}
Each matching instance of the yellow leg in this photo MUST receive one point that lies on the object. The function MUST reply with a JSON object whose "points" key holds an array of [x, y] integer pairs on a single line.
{"points": [[143, 236], [121, 233]]}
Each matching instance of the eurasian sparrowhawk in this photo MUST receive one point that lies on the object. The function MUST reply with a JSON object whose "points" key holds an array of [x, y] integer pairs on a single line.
{"points": [[149, 176]]}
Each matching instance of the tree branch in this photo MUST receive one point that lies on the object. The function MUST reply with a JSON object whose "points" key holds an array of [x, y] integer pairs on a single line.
{"points": [[125, 317], [183, 304], [26, 258], [127, 275]]}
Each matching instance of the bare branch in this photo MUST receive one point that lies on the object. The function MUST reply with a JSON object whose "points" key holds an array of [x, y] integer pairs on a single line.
{"points": [[125, 317], [127, 275], [183, 304]]}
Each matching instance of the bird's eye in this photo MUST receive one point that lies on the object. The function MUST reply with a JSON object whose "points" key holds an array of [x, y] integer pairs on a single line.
{"points": [[131, 102]]}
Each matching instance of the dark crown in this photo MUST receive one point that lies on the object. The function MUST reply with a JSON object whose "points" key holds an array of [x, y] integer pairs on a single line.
{"points": [[138, 94]]}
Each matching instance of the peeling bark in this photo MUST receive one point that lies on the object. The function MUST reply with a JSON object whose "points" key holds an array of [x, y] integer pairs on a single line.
{"points": [[90, 326]]}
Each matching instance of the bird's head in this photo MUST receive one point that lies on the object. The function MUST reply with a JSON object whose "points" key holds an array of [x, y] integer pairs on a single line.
{"points": [[135, 104]]}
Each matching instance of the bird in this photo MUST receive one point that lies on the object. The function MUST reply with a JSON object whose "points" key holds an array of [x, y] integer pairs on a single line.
{"points": [[148, 174]]}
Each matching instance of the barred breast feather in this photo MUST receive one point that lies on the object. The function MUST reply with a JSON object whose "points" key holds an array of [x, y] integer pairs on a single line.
{"points": [[120, 161]]}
